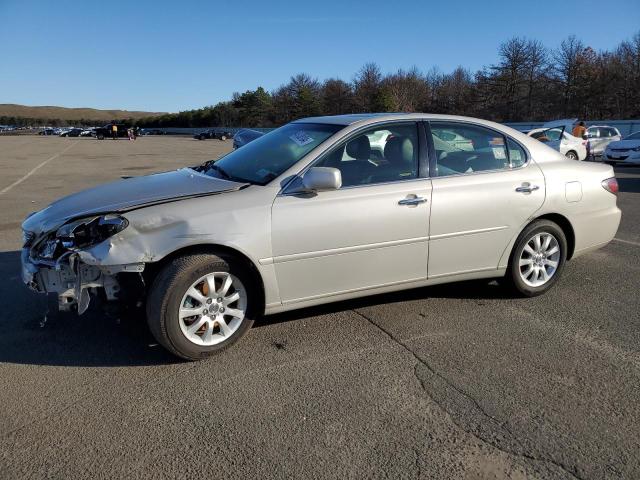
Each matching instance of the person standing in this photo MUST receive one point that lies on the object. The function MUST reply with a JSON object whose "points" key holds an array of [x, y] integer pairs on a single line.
{"points": [[114, 131], [579, 130]]}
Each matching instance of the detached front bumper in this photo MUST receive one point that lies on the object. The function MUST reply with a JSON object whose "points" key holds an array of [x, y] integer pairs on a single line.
{"points": [[29, 272]]}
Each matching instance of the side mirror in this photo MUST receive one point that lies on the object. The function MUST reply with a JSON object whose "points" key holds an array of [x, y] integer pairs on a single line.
{"points": [[322, 178]]}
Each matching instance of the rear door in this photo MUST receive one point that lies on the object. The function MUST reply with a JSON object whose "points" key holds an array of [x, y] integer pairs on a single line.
{"points": [[481, 198]]}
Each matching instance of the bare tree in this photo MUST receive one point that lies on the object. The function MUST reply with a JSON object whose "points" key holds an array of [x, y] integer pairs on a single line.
{"points": [[337, 97], [406, 91], [367, 85], [536, 70], [567, 65]]}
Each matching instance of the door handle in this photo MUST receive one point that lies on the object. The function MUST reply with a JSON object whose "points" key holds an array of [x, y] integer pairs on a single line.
{"points": [[412, 200], [526, 187]]}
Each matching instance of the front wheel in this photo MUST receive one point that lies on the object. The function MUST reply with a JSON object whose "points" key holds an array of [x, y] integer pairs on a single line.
{"points": [[223, 138], [571, 155], [201, 304], [537, 259]]}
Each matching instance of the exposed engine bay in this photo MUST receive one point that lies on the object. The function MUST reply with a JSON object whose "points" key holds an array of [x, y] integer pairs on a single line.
{"points": [[54, 262]]}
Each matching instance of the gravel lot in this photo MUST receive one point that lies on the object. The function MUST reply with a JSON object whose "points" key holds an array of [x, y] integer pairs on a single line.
{"points": [[455, 381]]}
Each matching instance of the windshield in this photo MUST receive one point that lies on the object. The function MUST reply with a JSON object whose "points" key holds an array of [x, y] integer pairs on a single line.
{"points": [[633, 136], [268, 156]]}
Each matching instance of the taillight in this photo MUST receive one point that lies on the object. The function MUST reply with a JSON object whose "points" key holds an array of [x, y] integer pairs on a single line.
{"points": [[611, 185]]}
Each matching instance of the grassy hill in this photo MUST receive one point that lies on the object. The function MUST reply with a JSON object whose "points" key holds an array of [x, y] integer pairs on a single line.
{"points": [[63, 113]]}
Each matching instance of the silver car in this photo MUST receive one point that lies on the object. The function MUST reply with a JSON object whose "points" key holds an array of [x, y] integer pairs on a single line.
{"points": [[600, 136], [309, 213]]}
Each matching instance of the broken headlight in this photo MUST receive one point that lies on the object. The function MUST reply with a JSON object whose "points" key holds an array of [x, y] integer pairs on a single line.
{"points": [[87, 232]]}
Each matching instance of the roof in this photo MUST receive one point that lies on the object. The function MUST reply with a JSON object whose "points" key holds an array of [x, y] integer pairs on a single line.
{"points": [[346, 119]]}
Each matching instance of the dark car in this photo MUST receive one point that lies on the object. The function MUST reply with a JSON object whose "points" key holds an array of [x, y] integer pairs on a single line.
{"points": [[48, 131], [245, 136], [213, 133], [105, 132], [152, 131], [74, 132]]}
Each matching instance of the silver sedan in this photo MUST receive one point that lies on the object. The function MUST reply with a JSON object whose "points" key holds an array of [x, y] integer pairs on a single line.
{"points": [[311, 213]]}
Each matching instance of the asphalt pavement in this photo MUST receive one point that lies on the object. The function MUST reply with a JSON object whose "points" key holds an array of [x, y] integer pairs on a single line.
{"points": [[454, 381]]}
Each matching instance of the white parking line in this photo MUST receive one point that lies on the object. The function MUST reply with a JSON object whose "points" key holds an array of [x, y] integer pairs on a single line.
{"points": [[637, 244], [35, 169]]}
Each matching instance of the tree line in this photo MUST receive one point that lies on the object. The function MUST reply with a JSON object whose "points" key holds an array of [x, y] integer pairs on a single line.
{"points": [[57, 122], [529, 82]]}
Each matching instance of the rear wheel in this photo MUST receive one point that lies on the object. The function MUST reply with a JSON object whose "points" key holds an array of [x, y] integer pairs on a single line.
{"points": [[223, 138], [537, 259], [201, 304], [100, 136], [571, 155]]}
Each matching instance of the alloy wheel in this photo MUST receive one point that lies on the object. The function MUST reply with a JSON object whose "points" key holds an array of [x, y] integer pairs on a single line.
{"points": [[212, 309], [539, 259]]}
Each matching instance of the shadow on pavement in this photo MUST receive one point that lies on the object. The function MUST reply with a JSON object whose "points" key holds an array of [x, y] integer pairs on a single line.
{"points": [[96, 339], [91, 340], [469, 290]]}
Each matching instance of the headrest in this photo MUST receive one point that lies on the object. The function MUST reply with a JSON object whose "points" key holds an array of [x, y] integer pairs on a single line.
{"points": [[399, 150], [359, 148]]}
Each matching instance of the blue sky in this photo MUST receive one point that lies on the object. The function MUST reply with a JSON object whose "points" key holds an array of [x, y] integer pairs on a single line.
{"points": [[170, 56]]}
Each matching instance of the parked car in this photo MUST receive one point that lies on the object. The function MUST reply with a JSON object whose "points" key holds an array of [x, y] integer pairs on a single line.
{"points": [[49, 131], [105, 132], [625, 151], [244, 136], [290, 221], [557, 135], [74, 132], [600, 136], [88, 132], [152, 131], [213, 133]]}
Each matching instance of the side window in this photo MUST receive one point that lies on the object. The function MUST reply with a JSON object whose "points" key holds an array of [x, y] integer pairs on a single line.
{"points": [[593, 132], [382, 154], [517, 156], [464, 148]]}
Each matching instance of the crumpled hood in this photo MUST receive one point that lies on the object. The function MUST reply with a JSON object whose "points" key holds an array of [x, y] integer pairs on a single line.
{"points": [[127, 194]]}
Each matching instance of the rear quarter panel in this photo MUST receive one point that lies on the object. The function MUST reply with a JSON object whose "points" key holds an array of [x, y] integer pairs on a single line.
{"points": [[574, 190]]}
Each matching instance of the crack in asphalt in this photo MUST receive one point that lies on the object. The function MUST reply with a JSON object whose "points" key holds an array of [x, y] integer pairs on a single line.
{"points": [[569, 470]]}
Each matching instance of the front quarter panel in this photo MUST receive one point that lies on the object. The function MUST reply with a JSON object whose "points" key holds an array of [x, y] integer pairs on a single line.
{"points": [[240, 220]]}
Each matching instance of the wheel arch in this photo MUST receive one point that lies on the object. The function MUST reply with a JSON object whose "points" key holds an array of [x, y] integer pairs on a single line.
{"points": [[152, 269], [564, 223]]}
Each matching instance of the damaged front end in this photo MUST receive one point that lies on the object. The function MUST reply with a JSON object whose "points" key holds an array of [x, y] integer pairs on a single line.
{"points": [[52, 262]]}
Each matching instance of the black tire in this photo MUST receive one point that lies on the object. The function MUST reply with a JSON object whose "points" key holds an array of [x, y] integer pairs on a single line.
{"points": [[100, 136], [571, 155], [167, 291], [513, 277], [223, 138], [200, 137]]}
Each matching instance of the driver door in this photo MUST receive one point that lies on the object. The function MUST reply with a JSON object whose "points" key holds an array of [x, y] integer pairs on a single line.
{"points": [[372, 232]]}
